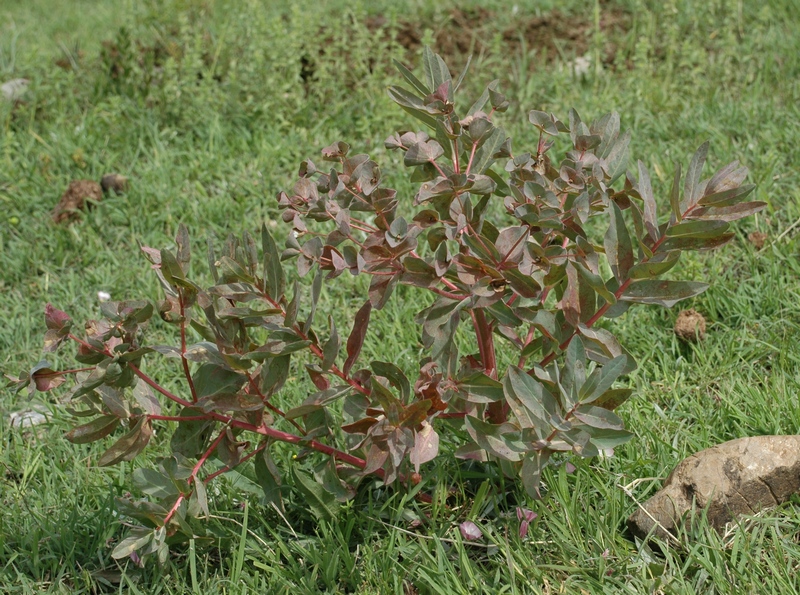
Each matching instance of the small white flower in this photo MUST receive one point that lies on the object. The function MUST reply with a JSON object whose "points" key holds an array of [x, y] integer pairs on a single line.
{"points": [[103, 296]]}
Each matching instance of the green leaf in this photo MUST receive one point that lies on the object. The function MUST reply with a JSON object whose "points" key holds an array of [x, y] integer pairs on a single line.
{"points": [[210, 380], [480, 388], [436, 71], [268, 477], [491, 438], [573, 374], [662, 293], [190, 438], [412, 104], [601, 379], [481, 101], [322, 503], [617, 159], [463, 74], [598, 417], [617, 243], [520, 386], [413, 80], [656, 266], [613, 398], [484, 156], [604, 439], [136, 540], [395, 376]]}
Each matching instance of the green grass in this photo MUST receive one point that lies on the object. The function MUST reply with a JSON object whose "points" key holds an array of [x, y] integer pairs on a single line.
{"points": [[208, 139]]}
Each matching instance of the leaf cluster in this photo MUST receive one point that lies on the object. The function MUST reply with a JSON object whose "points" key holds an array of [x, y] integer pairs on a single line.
{"points": [[528, 250]]}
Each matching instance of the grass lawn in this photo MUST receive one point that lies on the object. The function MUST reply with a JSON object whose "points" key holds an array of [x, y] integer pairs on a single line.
{"points": [[209, 107]]}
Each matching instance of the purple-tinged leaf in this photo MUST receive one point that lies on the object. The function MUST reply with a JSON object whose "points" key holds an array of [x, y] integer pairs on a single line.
{"points": [[730, 176], [571, 302], [692, 243], [646, 192], [336, 151], [130, 445], [675, 195], [531, 472], [96, 429], [698, 229], [525, 518], [731, 213], [726, 198], [356, 339], [613, 398], [426, 446], [617, 242], [423, 152], [599, 417], [470, 531], [55, 319], [691, 185], [662, 293]]}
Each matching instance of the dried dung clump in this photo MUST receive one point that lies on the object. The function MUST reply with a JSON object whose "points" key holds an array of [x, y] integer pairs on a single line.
{"points": [[757, 238], [690, 326], [73, 201], [115, 182], [737, 477]]}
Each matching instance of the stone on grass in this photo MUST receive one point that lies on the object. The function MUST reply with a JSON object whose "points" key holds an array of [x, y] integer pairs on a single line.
{"points": [[114, 182], [738, 477], [73, 201]]}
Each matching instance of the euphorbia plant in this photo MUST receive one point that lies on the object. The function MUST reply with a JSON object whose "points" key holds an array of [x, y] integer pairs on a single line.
{"points": [[528, 253]]}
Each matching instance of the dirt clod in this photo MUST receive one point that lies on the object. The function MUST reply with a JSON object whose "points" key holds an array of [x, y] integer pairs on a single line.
{"points": [[757, 238], [737, 477], [115, 182], [73, 201], [690, 326]]}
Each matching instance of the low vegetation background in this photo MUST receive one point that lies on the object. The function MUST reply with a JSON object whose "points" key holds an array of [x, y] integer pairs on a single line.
{"points": [[208, 106]]}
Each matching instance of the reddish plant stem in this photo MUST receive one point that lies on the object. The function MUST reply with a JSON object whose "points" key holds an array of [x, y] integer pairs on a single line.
{"points": [[63, 372], [184, 361], [178, 417], [244, 459], [471, 158], [270, 406], [193, 476], [528, 339], [448, 295], [439, 169]]}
